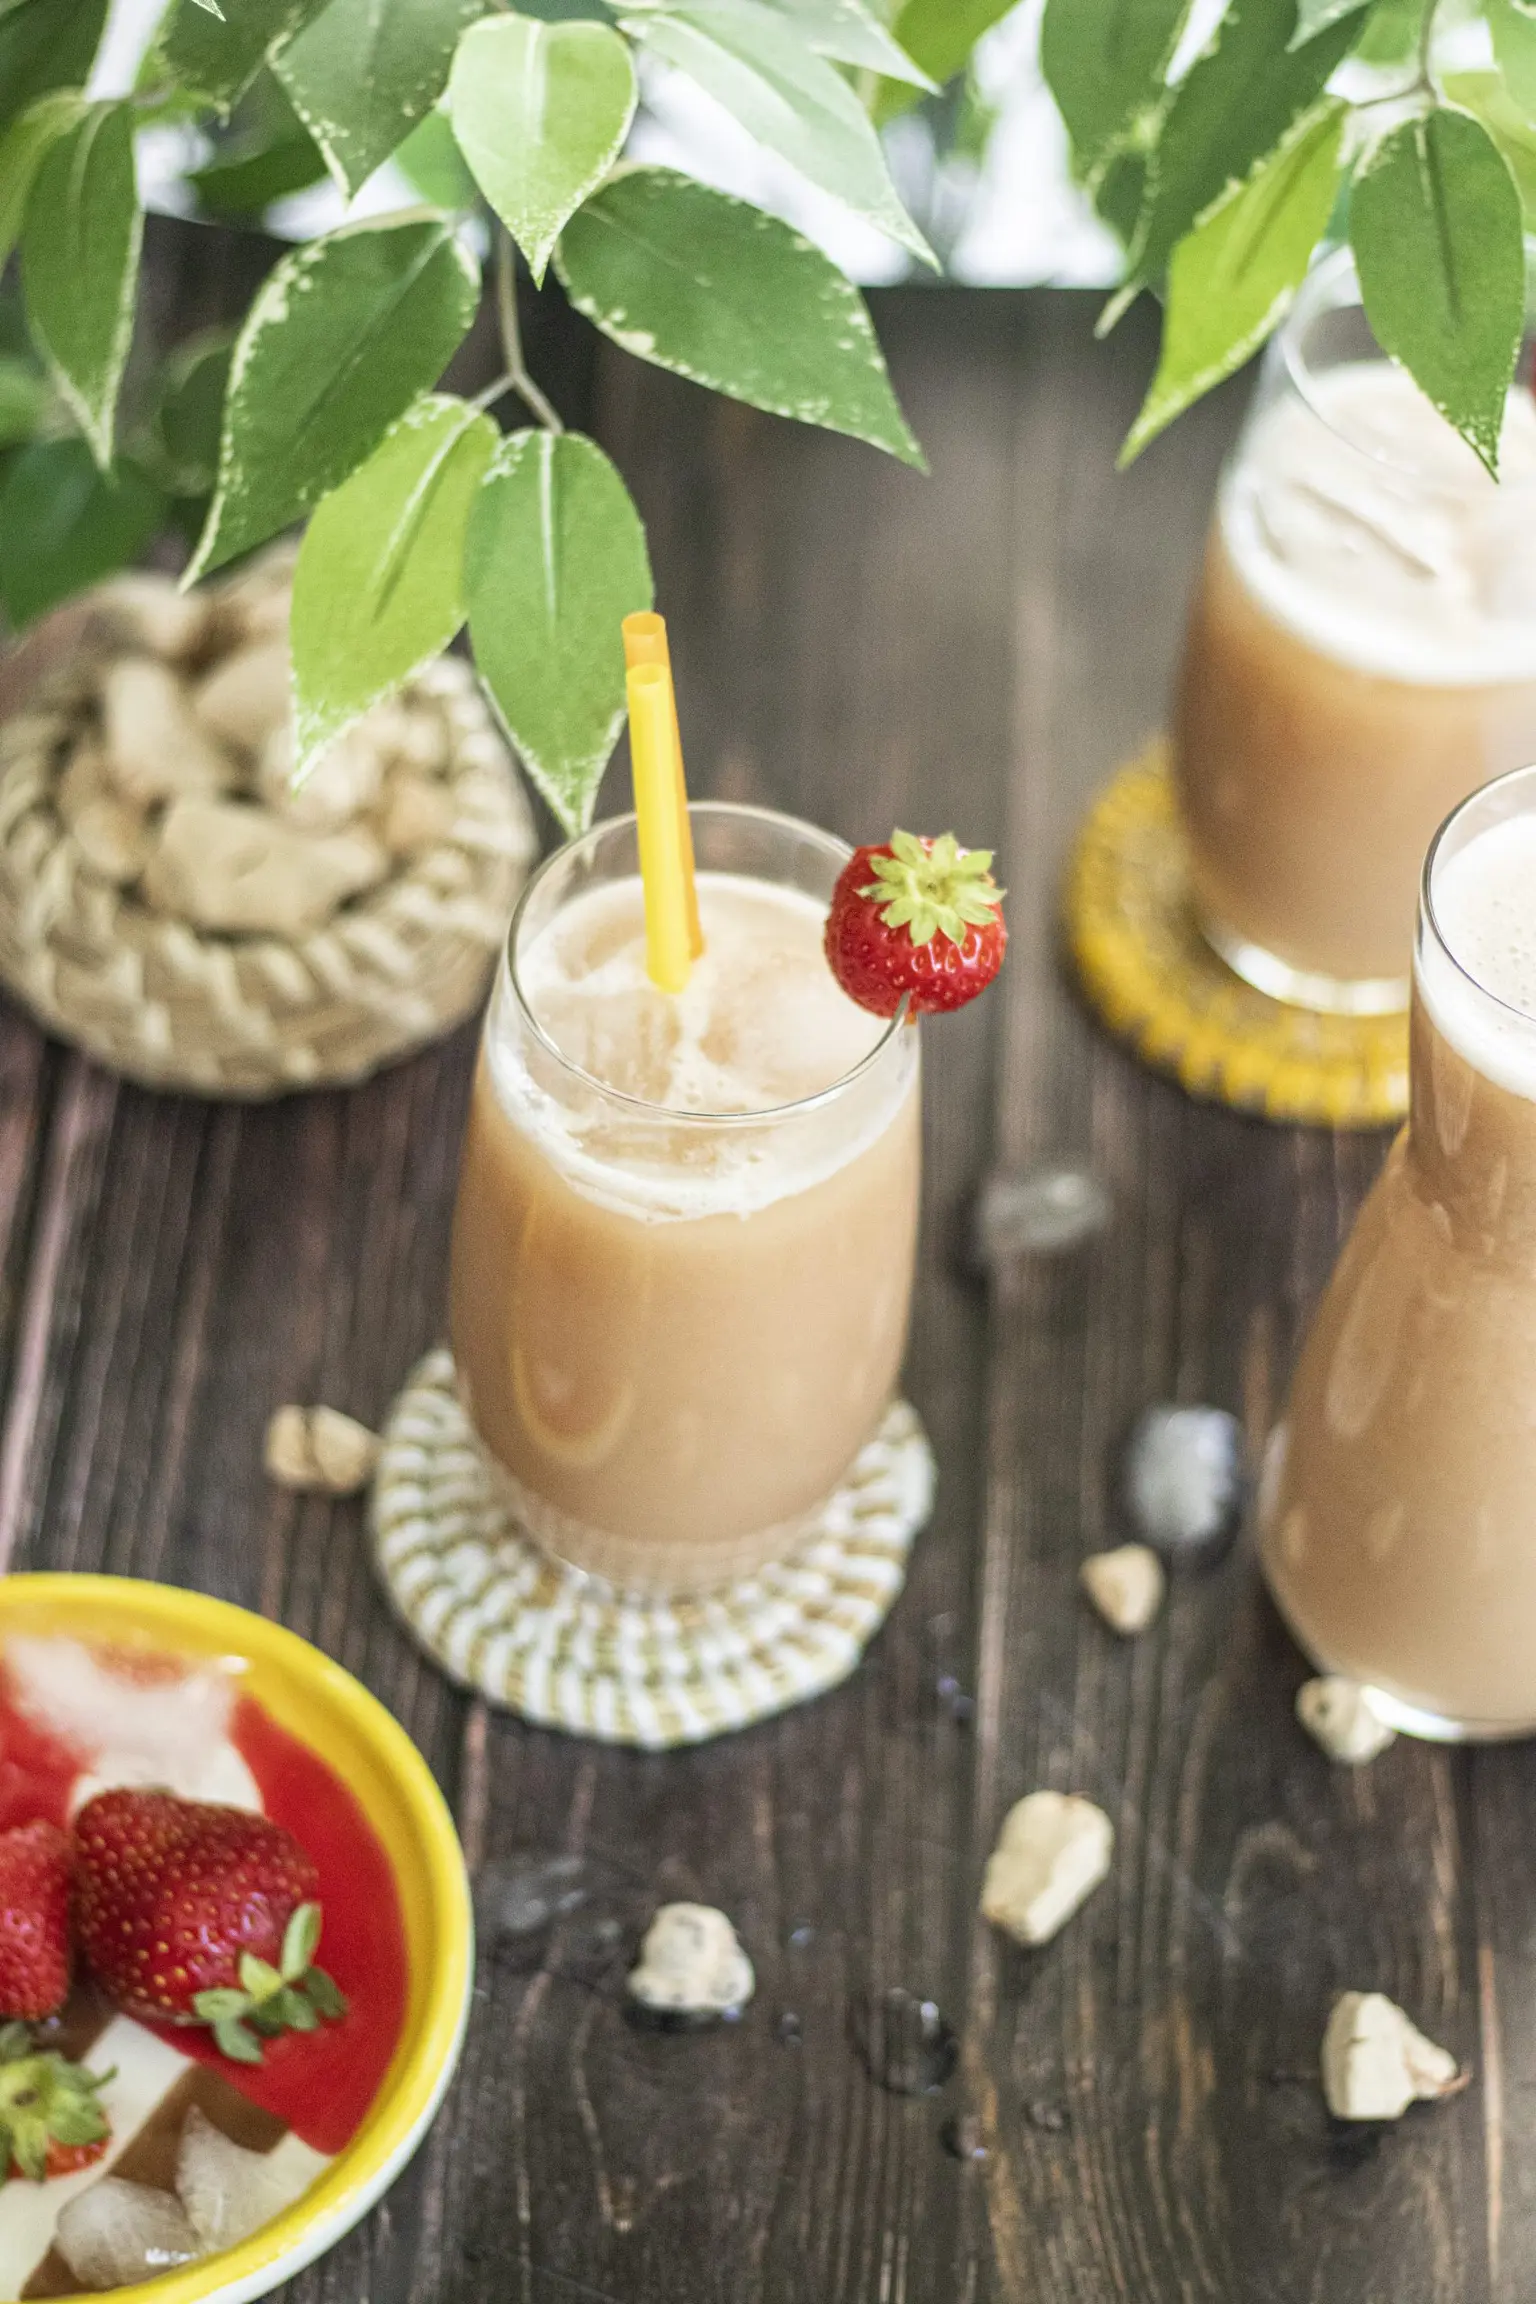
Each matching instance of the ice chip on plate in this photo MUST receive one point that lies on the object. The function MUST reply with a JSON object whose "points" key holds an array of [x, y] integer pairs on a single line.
{"points": [[227, 2191], [115, 2232]]}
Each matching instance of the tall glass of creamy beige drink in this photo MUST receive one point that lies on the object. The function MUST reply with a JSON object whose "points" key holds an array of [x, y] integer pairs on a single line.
{"points": [[683, 1249], [1361, 655], [1398, 1511]]}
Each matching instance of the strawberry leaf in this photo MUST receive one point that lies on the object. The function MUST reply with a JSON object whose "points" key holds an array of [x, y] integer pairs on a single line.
{"points": [[233, 2040], [260, 1978], [215, 2005], [301, 1940], [326, 1995]]}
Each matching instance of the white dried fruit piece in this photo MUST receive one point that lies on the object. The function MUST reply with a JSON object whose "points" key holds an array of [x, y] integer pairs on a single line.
{"points": [[418, 813], [1052, 1852], [230, 867], [320, 1449], [153, 613], [1376, 2062], [113, 839], [344, 781], [114, 2233], [692, 1964], [1127, 1586], [156, 748], [227, 2191], [1340, 1715], [246, 696]]}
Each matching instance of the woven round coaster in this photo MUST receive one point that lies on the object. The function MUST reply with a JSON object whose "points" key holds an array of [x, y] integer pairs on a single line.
{"points": [[1156, 982], [566, 1650], [107, 930]]}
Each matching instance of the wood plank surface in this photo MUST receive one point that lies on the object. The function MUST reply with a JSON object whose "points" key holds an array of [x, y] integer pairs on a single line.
{"points": [[863, 646]]}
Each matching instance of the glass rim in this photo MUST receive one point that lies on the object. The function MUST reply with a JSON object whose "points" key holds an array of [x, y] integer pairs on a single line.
{"points": [[1429, 916], [1310, 304], [665, 1115]]}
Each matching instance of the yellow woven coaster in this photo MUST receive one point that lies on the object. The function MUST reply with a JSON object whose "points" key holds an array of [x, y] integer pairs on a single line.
{"points": [[1156, 982], [566, 1650]]}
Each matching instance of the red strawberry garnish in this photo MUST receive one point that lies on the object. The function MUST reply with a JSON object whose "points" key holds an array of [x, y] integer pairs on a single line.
{"points": [[51, 2117], [916, 920], [193, 1913], [34, 1920]]}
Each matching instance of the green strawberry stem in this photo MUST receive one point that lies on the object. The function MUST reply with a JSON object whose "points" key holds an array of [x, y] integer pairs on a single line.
{"points": [[293, 1997], [44, 2100], [934, 889]]}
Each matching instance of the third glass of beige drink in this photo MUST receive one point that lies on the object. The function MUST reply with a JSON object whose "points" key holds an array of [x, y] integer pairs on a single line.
{"points": [[683, 1249], [1361, 655], [1398, 1512]]}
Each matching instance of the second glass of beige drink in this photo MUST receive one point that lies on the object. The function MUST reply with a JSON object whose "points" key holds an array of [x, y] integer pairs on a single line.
{"points": [[1361, 655], [1398, 1507], [683, 1249]]}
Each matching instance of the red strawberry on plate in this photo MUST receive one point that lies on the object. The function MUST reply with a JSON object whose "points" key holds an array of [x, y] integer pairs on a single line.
{"points": [[193, 1913], [916, 920], [51, 2118], [34, 1920]]}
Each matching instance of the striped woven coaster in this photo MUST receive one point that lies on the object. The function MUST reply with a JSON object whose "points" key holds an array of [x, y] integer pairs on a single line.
{"points": [[1157, 984], [566, 1650]]}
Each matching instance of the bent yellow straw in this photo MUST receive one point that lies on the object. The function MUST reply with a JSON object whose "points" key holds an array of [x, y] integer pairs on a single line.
{"points": [[664, 873], [645, 642]]}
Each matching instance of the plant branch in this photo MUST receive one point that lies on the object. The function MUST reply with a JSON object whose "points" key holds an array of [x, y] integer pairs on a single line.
{"points": [[517, 378]]}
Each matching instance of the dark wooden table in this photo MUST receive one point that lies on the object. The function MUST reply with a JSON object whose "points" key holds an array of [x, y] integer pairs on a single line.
{"points": [[865, 647]]}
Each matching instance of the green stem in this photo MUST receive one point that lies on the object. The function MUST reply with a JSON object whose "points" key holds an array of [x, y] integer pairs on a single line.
{"points": [[517, 377]]}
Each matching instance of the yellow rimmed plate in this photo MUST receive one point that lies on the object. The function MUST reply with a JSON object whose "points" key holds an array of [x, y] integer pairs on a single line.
{"points": [[325, 1708]]}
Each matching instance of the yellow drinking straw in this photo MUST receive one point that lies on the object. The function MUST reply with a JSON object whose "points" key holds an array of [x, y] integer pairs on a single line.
{"points": [[665, 871], [645, 642]]}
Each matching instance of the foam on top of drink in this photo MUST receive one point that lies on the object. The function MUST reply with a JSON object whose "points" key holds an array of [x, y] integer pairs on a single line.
{"points": [[762, 1024], [1368, 526], [1485, 907]]}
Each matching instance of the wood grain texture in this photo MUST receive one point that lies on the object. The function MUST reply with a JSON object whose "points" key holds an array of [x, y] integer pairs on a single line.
{"points": [[866, 647]]}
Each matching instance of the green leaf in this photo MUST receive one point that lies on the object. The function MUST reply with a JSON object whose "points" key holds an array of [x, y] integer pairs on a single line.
{"points": [[294, 2012], [939, 35], [365, 71], [22, 148], [755, 64], [1514, 47], [301, 1937], [189, 418], [45, 44], [1485, 94], [1232, 279], [63, 524], [379, 591], [850, 33], [1105, 62], [233, 2040], [219, 2001], [325, 1994], [1436, 229], [23, 400], [246, 185], [704, 285], [555, 560], [1237, 102], [219, 57], [259, 1977], [434, 166], [540, 112], [80, 265], [1393, 32], [1314, 16], [342, 337]]}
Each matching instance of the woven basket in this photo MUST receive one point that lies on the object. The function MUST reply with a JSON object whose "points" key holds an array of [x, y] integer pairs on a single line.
{"points": [[252, 1016]]}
